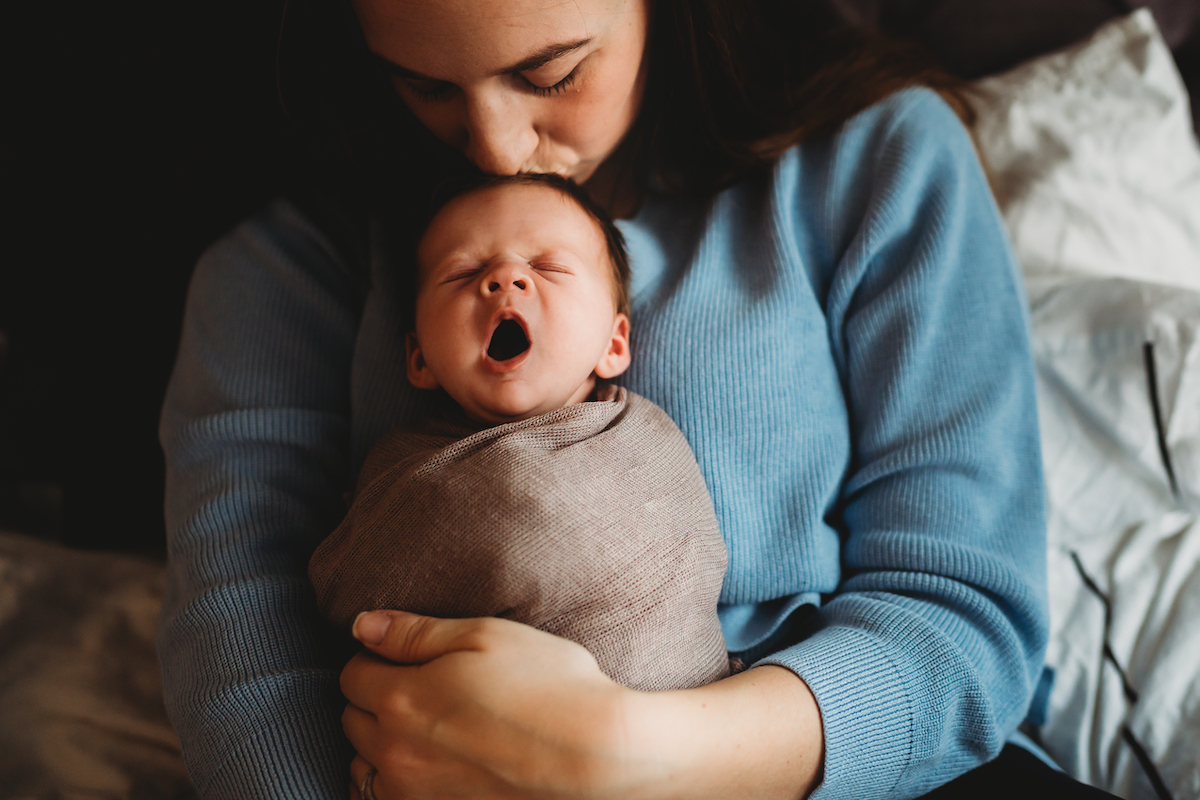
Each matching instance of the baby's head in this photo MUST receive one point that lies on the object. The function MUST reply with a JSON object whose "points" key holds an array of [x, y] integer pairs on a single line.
{"points": [[521, 299]]}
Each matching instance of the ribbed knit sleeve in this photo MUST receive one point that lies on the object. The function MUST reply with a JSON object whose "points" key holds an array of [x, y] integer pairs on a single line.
{"points": [[924, 658], [256, 436]]}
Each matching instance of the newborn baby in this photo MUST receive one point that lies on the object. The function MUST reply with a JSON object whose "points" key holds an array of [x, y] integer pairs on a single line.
{"points": [[540, 493]]}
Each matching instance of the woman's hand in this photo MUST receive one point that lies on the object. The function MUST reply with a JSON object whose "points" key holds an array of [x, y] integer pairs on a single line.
{"points": [[480, 708], [488, 708]]}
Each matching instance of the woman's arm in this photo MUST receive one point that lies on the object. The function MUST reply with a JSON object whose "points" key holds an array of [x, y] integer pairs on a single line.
{"points": [[492, 708], [255, 433], [924, 659]]}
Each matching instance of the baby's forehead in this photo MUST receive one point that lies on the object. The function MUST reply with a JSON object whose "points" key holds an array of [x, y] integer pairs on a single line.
{"points": [[532, 213], [507, 197]]}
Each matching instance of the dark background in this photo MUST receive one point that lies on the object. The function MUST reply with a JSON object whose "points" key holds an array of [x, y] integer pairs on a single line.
{"points": [[137, 132]]}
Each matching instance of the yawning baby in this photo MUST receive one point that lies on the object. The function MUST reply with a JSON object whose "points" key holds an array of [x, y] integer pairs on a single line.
{"points": [[541, 493]]}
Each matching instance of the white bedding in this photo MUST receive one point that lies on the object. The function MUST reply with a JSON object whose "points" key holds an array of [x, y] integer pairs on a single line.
{"points": [[1097, 174]]}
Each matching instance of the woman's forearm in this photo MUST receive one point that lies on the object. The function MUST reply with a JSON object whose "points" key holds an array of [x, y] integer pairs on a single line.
{"points": [[755, 735], [254, 430]]}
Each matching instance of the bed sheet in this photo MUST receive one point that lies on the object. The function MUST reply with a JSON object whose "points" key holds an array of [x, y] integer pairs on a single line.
{"points": [[80, 686]]}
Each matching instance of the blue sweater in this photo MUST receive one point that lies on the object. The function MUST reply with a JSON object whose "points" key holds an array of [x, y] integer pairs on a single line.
{"points": [[843, 341]]}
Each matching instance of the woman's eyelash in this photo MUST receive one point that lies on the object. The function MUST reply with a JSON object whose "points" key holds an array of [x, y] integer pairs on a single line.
{"points": [[435, 91], [546, 91]]}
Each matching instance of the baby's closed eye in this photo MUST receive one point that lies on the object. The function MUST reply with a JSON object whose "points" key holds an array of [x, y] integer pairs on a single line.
{"points": [[465, 273], [550, 267]]}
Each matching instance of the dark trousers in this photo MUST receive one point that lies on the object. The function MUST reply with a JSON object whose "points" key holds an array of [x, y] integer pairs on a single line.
{"points": [[1015, 773]]}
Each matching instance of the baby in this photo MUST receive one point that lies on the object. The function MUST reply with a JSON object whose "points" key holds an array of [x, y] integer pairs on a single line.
{"points": [[541, 493]]}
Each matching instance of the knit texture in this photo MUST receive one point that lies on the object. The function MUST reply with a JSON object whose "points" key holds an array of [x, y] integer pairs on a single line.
{"points": [[590, 522], [841, 339]]}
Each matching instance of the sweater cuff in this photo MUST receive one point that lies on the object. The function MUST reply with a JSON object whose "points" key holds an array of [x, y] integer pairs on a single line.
{"points": [[301, 762], [866, 710]]}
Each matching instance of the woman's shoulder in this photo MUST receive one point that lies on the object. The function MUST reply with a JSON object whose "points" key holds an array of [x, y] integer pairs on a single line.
{"points": [[911, 123], [885, 163], [915, 111], [901, 172], [295, 227], [906, 133], [284, 248]]}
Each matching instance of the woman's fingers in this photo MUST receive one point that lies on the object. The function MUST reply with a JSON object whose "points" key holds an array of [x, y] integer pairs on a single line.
{"points": [[462, 721], [362, 729], [411, 643], [406, 638], [369, 682], [359, 769], [403, 639]]}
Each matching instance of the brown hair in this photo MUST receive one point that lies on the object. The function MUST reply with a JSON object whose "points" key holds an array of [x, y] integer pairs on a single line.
{"points": [[614, 242], [732, 84], [735, 83]]}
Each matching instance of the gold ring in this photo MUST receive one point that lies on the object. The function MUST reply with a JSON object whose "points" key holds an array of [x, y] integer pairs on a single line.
{"points": [[367, 789]]}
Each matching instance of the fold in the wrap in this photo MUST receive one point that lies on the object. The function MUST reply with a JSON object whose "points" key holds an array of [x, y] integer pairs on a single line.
{"points": [[591, 522]]}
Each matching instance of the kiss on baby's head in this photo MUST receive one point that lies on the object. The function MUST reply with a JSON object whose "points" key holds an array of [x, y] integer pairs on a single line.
{"points": [[521, 299]]}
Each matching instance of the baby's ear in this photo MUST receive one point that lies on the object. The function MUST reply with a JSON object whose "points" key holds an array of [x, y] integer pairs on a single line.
{"points": [[418, 371], [616, 358]]}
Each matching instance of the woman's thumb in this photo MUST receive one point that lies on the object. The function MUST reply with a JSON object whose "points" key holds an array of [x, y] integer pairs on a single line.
{"points": [[406, 638]]}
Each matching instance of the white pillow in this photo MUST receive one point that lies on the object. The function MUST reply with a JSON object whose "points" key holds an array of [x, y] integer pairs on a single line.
{"points": [[1094, 159]]}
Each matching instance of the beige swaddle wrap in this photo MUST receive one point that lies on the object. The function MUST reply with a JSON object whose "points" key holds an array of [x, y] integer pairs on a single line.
{"points": [[591, 522]]}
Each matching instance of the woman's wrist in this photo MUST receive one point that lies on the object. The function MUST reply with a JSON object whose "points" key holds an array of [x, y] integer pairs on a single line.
{"points": [[756, 734]]}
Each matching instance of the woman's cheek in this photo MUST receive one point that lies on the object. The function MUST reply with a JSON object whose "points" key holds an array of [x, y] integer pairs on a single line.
{"points": [[598, 118]]}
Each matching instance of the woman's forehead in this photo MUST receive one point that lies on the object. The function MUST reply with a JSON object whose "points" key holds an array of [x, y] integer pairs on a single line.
{"points": [[441, 38]]}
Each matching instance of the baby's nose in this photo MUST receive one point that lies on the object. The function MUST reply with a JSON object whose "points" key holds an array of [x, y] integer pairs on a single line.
{"points": [[506, 277]]}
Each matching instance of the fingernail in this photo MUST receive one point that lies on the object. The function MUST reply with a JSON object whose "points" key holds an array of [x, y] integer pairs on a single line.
{"points": [[371, 626]]}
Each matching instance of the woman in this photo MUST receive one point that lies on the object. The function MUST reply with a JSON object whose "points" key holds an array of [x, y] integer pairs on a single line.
{"points": [[837, 327]]}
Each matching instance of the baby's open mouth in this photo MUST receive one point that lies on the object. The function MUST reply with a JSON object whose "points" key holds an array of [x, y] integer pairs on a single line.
{"points": [[508, 341]]}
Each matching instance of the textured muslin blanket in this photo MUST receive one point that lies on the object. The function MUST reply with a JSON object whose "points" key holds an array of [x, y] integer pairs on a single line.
{"points": [[591, 522]]}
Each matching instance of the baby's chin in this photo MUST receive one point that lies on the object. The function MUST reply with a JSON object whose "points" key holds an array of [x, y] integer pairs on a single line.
{"points": [[498, 415], [515, 410]]}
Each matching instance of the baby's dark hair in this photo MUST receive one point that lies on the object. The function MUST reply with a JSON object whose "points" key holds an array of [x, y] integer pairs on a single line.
{"points": [[613, 240]]}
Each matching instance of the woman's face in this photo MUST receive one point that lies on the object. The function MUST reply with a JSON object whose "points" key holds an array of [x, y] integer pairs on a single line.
{"points": [[516, 85]]}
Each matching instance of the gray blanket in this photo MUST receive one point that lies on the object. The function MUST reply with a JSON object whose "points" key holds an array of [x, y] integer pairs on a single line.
{"points": [[591, 522]]}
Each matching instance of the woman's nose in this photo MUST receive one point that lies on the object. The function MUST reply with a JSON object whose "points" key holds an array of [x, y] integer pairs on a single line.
{"points": [[506, 276], [500, 135]]}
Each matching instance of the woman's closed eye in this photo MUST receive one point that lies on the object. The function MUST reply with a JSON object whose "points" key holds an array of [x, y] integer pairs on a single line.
{"points": [[554, 88], [433, 91]]}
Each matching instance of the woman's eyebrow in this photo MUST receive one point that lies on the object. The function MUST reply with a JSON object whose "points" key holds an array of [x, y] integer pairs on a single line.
{"points": [[539, 59], [546, 55]]}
